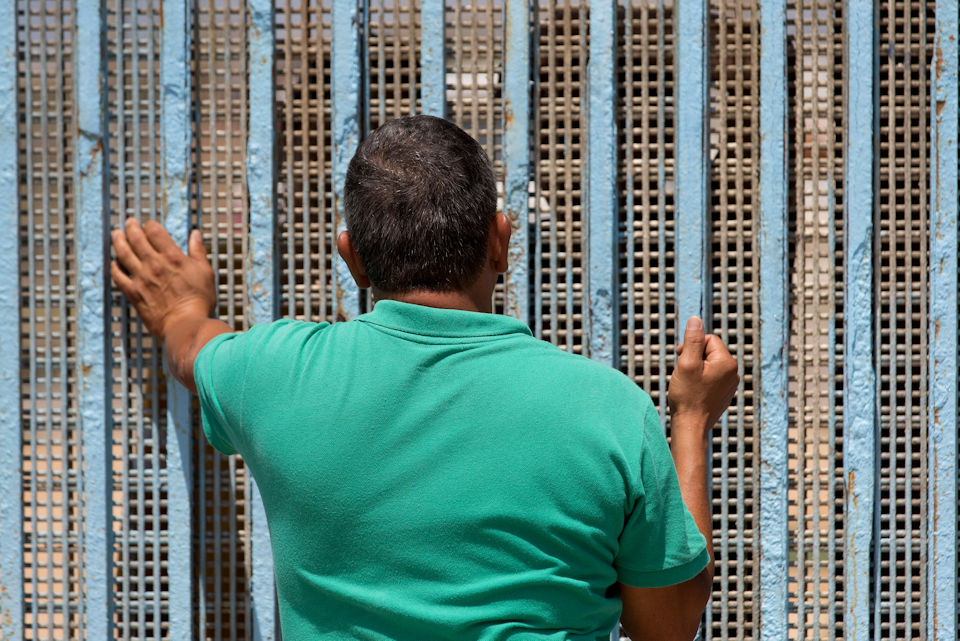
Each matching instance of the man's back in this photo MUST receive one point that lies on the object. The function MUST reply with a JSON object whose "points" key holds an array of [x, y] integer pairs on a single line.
{"points": [[432, 473]]}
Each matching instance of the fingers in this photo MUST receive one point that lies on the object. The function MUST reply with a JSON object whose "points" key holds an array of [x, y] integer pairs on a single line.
{"points": [[127, 259], [124, 282], [715, 350], [693, 339], [138, 239], [159, 237], [196, 247]]}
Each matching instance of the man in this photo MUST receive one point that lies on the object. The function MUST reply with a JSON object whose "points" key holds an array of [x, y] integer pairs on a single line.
{"points": [[430, 470]]}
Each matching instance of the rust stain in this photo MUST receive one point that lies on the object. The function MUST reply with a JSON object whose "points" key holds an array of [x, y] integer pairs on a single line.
{"points": [[507, 115], [940, 105], [96, 149], [938, 64], [86, 368]]}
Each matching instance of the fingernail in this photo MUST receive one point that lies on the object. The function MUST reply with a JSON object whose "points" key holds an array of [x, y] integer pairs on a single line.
{"points": [[695, 323]]}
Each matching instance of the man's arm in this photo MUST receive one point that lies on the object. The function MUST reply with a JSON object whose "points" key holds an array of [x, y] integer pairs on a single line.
{"points": [[701, 387], [174, 293]]}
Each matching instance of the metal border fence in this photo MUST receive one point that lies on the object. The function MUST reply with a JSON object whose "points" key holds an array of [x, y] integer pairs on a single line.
{"points": [[757, 162]]}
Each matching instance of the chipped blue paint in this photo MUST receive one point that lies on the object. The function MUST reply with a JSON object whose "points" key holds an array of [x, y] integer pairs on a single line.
{"points": [[433, 79], [516, 154], [345, 114], [602, 323], [11, 496], [262, 286], [96, 482], [859, 390], [941, 523], [692, 158], [774, 284], [175, 85]]}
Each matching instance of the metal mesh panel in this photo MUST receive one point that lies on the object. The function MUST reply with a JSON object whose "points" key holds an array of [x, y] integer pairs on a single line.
{"points": [[734, 152], [52, 510], [815, 495], [647, 321], [304, 191], [392, 61], [561, 62], [138, 389], [474, 81], [222, 494], [906, 32]]}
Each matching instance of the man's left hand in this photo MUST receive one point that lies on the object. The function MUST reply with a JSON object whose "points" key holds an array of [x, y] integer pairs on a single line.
{"points": [[163, 284]]}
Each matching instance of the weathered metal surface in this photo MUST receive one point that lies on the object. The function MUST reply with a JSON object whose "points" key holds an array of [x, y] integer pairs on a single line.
{"points": [[859, 392], [261, 166], [92, 393], [11, 467], [601, 193], [771, 590], [692, 160], [433, 89], [176, 176], [346, 93], [516, 154], [942, 568]]}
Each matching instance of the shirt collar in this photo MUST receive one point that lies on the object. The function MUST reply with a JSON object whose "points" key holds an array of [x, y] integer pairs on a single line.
{"points": [[446, 323]]}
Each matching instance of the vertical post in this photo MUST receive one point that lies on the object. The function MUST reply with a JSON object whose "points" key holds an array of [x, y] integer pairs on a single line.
{"points": [[175, 83], [433, 78], [942, 440], [859, 391], [11, 494], [774, 336], [345, 114], [261, 164], [516, 154], [94, 418], [692, 158], [603, 322]]}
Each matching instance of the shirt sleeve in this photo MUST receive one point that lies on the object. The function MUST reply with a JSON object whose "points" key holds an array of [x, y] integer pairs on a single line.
{"points": [[222, 373], [661, 544]]}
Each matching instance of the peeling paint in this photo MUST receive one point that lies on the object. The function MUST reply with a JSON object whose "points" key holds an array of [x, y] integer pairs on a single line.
{"points": [[11, 460]]}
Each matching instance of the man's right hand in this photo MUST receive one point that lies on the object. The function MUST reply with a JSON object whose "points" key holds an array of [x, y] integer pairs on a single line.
{"points": [[704, 380]]}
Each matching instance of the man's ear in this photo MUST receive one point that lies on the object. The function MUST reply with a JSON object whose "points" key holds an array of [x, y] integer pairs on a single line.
{"points": [[499, 242], [349, 255]]}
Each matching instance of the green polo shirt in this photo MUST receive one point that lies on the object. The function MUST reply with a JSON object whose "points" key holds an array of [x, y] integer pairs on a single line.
{"points": [[441, 474]]}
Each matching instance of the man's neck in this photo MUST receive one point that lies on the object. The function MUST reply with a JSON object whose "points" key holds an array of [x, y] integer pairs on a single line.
{"points": [[468, 300]]}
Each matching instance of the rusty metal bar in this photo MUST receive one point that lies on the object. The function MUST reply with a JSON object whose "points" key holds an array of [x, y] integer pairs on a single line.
{"points": [[602, 322], [11, 455], [692, 160], [516, 153], [90, 184], [262, 272], [177, 140], [346, 95], [433, 85], [859, 391], [941, 524], [771, 590]]}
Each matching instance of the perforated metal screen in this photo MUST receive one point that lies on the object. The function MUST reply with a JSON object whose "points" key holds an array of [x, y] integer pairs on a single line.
{"points": [[135, 464]]}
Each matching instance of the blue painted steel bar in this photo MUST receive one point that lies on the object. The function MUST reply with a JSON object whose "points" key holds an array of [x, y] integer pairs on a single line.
{"points": [[774, 284], [11, 495], [94, 416], [175, 83], [942, 444], [602, 323], [433, 78], [345, 114], [859, 390], [692, 158], [262, 276], [516, 154]]}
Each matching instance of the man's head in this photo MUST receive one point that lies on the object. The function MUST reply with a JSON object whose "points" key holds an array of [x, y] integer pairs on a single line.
{"points": [[420, 199]]}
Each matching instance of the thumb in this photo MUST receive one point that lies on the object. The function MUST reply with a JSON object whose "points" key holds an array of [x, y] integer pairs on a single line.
{"points": [[195, 247], [693, 343]]}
